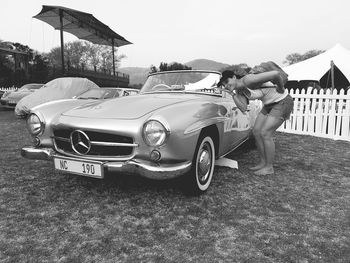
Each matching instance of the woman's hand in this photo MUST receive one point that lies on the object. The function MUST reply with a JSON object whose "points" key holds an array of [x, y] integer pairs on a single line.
{"points": [[280, 89], [229, 87]]}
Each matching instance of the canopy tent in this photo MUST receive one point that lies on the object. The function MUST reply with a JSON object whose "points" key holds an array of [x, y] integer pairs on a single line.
{"points": [[82, 25], [331, 68]]}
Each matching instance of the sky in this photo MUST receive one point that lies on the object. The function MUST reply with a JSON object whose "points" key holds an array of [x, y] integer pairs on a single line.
{"points": [[227, 31]]}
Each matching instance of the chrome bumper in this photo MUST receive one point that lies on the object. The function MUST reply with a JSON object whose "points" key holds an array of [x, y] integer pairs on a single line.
{"points": [[144, 168]]}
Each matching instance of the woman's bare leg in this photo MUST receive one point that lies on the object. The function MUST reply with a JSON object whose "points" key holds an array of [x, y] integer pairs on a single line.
{"points": [[258, 125], [268, 130]]}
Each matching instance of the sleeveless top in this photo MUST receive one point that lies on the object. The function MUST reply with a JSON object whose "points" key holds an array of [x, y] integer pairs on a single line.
{"points": [[267, 95]]}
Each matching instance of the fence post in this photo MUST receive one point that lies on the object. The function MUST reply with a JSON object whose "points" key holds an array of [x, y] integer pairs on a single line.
{"points": [[339, 115], [307, 110], [311, 127], [325, 115], [331, 122], [318, 124], [345, 131]]}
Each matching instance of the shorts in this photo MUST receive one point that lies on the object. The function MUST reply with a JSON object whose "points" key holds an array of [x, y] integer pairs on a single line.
{"points": [[281, 109]]}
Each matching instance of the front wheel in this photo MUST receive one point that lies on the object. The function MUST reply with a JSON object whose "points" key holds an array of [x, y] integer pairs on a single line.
{"points": [[200, 176]]}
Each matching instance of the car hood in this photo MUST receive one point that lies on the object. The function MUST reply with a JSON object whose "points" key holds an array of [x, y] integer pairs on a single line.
{"points": [[132, 107]]}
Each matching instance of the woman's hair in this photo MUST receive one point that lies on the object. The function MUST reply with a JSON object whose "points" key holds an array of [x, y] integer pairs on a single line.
{"points": [[224, 76], [227, 74]]}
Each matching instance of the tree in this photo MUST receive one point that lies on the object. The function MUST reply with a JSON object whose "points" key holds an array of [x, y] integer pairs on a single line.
{"points": [[74, 53], [83, 53], [26, 49], [6, 64], [296, 57], [153, 69], [39, 68], [166, 67]]}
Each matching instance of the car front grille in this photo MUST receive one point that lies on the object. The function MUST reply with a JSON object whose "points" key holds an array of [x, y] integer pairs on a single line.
{"points": [[102, 144]]}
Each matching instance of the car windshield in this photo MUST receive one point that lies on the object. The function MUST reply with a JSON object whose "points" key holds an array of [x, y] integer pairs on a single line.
{"points": [[99, 94], [30, 87], [193, 81]]}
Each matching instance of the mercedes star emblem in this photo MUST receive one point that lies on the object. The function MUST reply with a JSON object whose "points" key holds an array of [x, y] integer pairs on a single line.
{"points": [[80, 142]]}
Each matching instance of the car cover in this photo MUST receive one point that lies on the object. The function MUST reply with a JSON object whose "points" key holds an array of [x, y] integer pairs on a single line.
{"points": [[60, 88]]}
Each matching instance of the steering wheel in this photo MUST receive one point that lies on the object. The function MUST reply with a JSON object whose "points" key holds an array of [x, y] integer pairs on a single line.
{"points": [[161, 86]]}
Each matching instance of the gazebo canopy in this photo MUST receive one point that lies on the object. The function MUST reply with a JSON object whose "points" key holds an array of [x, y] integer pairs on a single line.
{"points": [[82, 25]]}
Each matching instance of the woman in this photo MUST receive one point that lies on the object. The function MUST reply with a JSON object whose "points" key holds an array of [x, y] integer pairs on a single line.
{"points": [[277, 107]]}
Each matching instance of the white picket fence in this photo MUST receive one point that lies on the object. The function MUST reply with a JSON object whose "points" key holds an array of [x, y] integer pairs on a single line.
{"points": [[322, 114], [7, 89]]}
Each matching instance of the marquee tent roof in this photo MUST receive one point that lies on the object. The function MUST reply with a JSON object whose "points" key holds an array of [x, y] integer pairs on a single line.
{"points": [[316, 67]]}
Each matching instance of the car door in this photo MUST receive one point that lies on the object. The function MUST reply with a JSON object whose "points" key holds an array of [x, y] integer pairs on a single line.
{"points": [[236, 126]]}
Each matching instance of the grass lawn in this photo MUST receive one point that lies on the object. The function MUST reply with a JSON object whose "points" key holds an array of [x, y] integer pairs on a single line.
{"points": [[300, 214]]}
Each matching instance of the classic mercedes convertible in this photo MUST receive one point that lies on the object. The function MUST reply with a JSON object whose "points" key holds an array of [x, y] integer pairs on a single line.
{"points": [[178, 125]]}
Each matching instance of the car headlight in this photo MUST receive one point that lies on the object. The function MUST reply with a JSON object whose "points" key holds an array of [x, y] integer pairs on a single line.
{"points": [[6, 93], [35, 125], [154, 133]]}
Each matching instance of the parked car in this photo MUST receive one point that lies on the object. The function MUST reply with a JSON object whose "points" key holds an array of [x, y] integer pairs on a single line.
{"points": [[57, 89], [11, 98], [90, 97], [177, 126], [1, 93]]}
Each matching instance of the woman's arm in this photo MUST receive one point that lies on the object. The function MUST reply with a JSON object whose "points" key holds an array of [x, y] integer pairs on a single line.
{"points": [[241, 101], [254, 81]]}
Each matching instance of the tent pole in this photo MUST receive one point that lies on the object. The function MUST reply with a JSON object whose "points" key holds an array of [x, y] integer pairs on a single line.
{"points": [[61, 33], [332, 74], [113, 56]]}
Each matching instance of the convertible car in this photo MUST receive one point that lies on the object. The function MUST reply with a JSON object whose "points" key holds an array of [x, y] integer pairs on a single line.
{"points": [[178, 125]]}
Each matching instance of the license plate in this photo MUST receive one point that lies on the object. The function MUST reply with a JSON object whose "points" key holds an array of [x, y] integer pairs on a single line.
{"points": [[85, 168]]}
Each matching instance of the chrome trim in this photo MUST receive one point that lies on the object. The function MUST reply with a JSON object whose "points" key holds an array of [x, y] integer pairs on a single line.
{"points": [[97, 157], [142, 167], [33, 153], [202, 124], [243, 141], [186, 71], [114, 144], [42, 123], [100, 143], [60, 138], [163, 122]]}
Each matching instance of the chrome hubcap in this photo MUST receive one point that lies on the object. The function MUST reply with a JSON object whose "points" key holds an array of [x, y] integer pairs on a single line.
{"points": [[204, 163]]}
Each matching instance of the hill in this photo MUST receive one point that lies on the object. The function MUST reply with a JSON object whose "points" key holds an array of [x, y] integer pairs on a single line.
{"points": [[206, 64], [138, 75]]}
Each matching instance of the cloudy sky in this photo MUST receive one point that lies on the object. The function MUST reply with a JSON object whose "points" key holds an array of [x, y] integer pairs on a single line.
{"points": [[228, 31]]}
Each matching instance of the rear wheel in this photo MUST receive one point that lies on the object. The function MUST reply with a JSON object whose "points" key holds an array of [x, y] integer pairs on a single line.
{"points": [[200, 176]]}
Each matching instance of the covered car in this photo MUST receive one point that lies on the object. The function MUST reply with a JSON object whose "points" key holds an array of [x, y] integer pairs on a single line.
{"points": [[60, 88], [90, 97], [178, 125], [10, 98]]}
